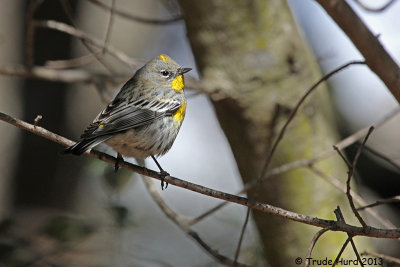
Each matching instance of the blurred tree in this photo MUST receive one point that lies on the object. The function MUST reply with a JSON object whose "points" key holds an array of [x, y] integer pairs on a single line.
{"points": [[250, 55], [33, 185]]}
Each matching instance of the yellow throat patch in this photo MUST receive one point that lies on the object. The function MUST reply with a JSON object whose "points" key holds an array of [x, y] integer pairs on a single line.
{"points": [[180, 113], [178, 83]]}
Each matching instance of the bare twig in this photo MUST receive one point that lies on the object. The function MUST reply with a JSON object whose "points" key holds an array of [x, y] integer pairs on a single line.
{"points": [[30, 33], [372, 9], [73, 62], [360, 201], [340, 218], [304, 162], [350, 175], [109, 27], [68, 11], [342, 156], [67, 76], [386, 159], [62, 27], [126, 15], [296, 108], [313, 242], [275, 211], [37, 120], [376, 57], [341, 251], [181, 223], [356, 252], [237, 252], [395, 199]]}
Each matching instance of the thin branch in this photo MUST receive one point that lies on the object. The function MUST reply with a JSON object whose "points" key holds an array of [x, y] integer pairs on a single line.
{"points": [[341, 251], [67, 76], [109, 27], [73, 62], [181, 223], [360, 201], [350, 175], [127, 15], [275, 211], [30, 33], [376, 57], [297, 107], [305, 162], [386, 159], [68, 11], [356, 252], [62, 27], [246, 220], [342, 156], [340, 218], [313, 242], [395, 199], [374, 9]]}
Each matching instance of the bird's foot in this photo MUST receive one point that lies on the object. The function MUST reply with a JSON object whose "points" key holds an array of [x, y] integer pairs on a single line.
{"points": [[119, 160], [163, 182]]}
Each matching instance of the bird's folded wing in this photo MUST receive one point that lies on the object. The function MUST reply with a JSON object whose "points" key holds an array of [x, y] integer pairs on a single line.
{"points": [[118, 116]]}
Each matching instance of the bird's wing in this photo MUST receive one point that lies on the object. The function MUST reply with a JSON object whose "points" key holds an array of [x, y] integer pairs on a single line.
{"points": [[120, 116]]}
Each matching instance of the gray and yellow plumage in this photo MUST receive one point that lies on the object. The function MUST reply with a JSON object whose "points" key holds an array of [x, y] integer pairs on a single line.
{"points": [[145, 117]]}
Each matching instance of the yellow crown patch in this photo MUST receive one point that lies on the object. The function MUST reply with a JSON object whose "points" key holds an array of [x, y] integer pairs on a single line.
{"points": [[163, 57]]}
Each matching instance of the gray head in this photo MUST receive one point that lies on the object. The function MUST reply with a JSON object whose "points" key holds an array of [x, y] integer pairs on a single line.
{"points": [[164, 71]]}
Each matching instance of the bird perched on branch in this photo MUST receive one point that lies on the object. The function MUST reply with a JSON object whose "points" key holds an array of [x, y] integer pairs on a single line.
{"points": [[144, 118]]}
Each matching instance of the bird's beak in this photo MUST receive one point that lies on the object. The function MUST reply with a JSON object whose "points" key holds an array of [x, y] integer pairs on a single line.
{"points": [[183, 70]]}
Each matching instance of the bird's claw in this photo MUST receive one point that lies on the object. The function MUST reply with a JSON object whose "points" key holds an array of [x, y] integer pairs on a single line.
{"points": [[163, 182], [119, 159]]}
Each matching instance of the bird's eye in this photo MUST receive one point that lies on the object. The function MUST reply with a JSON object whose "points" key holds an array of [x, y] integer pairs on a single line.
{"points": [[165, 73]]}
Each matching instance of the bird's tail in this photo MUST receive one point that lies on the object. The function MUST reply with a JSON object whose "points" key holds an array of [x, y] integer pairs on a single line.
{"points": [[83, 145]]}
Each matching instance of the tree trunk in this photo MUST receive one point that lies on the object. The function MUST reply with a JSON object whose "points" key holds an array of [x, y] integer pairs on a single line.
{"points": [[249, 53]]}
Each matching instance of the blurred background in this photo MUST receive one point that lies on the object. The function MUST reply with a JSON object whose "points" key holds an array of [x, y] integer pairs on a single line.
{"points": [[60, 210]]}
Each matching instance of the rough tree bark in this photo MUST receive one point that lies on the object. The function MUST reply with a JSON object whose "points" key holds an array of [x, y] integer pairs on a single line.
{"points": [[250, 52]]}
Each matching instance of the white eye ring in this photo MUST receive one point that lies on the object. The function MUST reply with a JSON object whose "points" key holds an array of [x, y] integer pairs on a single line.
{"points": [[165, 73]]}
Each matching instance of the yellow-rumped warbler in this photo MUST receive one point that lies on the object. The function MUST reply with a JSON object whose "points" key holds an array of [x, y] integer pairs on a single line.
{"points": [[145, 117]]}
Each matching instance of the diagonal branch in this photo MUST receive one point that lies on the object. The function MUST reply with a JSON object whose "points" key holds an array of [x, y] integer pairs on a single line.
{"points": [[351, 139], [313, 242], [297, 107], [376, 57], [181, 223], [275, 211], [373, 9], [360, 201], [67, 76], [340, 218], [126, 15], [62, 27], [395, 199], [350, 174]]}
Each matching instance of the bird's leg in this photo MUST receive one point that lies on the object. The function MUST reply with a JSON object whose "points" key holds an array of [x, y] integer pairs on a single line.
{"points": [[162, 173], [119, 160]]}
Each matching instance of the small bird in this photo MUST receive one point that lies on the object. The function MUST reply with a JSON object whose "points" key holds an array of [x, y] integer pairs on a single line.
{"points": [[145, 116]]}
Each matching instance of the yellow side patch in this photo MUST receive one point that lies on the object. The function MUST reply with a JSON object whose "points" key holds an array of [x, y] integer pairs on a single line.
{"points": [[178, 83], [101, 126], [163, 57], [180, 113]]}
